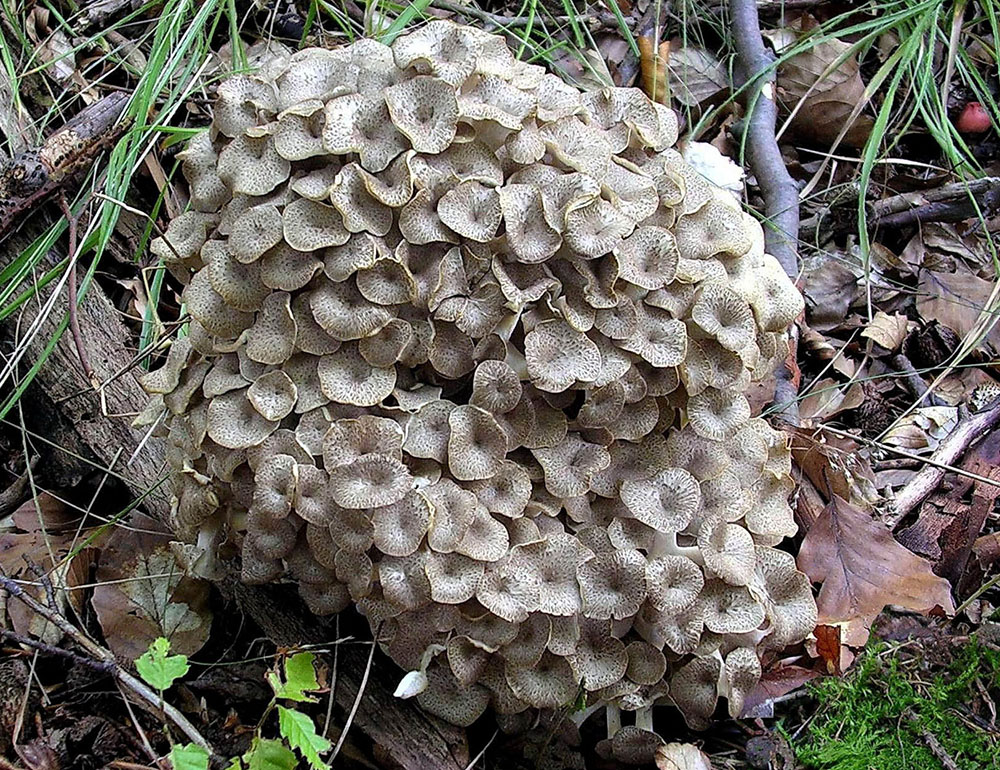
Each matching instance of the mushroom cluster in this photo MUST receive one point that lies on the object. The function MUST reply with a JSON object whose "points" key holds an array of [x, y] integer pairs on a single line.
{"points": [[468, 350]]}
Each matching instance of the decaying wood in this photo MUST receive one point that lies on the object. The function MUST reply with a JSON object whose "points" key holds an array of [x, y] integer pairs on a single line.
{"points": [[953, 202], [969, 430], [35, 175], [63, 408]]}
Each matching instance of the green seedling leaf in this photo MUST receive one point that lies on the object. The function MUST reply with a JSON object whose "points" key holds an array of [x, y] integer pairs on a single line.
{"points": [[159, 669], [189, 757], [300, 732], [267, 754], [300, 678]]}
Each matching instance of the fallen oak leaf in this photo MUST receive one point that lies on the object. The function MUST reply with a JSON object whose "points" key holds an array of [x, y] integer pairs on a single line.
{"points": [[887, 331], [681, 756], [775, 683], [862, 569]]}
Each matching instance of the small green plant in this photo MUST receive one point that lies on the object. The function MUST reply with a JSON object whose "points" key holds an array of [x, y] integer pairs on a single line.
{"points": [[297, 731], [889, 710]]}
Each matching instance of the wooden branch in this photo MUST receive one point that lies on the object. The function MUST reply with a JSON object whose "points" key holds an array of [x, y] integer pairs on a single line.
{"points": [[780, 193], [34, 176], [953, 202], [150, 700], [969, 430]]}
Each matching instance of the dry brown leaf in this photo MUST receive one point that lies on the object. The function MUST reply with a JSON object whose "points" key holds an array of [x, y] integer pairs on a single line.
{"points": [[834, 464], [830, 287], [955, 299], [144, 594], [886, 330], [825, 91], [862, 569], [681, 756], [775, 683], [653, 69], [922, 429], [49, 552], [45, 513], [696, 76], [827, 398]]}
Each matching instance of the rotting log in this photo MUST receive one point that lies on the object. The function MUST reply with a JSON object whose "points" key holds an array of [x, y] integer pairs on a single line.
{"points": [[68, 420]]}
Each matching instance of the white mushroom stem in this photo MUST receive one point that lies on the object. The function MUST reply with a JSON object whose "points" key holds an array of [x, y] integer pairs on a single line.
{"points": [[582, 716], [644, 719], [665, 544], [515, 360], [614, 720]]}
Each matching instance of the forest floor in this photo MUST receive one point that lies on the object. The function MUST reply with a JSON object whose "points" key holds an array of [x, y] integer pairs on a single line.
{"points": [[887, 124]]}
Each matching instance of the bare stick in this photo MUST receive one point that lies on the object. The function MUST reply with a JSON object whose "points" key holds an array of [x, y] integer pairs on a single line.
{"points": [[74, 318], [150, 700], [913, 381], [968, 430], [780, 193], [48, 649]]}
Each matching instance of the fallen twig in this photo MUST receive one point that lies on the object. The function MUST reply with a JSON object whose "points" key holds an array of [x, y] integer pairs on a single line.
{"points": [[953, 202], [498, 20], [149, 699], [969, 429], [778, 189], [933, 744], [914, 382]]}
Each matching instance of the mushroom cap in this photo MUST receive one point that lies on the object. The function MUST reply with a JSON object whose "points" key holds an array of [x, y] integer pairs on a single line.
{"points": [[613, 585], [550, 683], [453, 577], [445, 697], [347, 378], [694, 688], [273, 395], [673, 583], [348, 439], [730, 609], [728, 550], [476, 444], [370, 481], [741, 673], [425, 111], [557, 356], [599, 659], [666, 502], [570, 465]]}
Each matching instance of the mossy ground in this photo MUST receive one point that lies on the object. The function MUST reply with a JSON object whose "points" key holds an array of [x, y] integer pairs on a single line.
{"points": [[896, 701]]}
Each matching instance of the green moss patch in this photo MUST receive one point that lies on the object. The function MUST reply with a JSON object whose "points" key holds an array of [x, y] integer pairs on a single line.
{"points": [[899, 710]]}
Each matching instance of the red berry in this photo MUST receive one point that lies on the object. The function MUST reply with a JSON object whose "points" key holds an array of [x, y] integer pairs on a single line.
{"points": [[974, 119]]}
